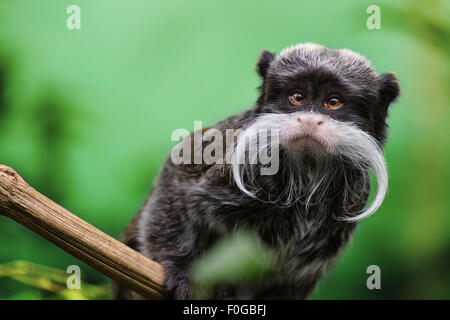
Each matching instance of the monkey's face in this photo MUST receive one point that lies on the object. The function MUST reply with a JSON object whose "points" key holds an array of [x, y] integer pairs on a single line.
{"points": [[326, 103], [322, 89]]}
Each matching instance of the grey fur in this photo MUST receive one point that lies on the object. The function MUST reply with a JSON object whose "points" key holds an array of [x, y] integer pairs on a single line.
{"points": [[193, 205]]}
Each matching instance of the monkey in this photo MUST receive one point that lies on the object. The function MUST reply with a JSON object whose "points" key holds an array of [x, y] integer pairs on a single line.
{"points": [[325, 112]]}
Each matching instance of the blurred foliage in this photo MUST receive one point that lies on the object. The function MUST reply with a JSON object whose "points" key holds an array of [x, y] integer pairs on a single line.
{"points": [[86, 117], [238, 258], [49, 280], [427, 20]]}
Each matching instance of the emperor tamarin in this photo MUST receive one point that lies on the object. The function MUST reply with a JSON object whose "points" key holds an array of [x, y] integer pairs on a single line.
{"points": [[323, 112]]}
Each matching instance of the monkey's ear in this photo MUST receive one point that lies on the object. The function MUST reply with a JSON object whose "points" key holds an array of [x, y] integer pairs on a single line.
{"points": [[264, 60], [389, 89]]}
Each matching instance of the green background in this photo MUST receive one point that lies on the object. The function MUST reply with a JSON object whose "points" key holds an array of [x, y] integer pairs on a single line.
{"points": [[86, 117]]}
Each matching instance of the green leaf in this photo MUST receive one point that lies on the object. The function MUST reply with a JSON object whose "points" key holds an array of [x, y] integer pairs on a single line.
{"points": [[240, 257]]}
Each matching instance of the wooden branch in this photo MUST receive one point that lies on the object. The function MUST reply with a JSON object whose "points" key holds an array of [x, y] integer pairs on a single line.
{"points": [[28, 207]]}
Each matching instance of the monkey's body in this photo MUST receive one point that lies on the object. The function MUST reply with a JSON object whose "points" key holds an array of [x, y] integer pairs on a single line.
{"points": [[193, 205]]}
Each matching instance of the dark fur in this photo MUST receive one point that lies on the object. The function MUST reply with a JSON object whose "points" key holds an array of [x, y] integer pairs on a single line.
{"points": [[192, 206]]}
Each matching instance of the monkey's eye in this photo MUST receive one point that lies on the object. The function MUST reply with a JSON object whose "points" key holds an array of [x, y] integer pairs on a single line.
{"points": [[297, 98], [333, 103]]}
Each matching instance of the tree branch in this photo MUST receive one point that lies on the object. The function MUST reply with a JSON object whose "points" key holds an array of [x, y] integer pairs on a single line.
{"points": [[22, 203]]}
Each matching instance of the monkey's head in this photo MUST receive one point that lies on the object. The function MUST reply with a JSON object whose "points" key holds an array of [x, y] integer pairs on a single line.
{"points": [[326, 84], [328, 104]]}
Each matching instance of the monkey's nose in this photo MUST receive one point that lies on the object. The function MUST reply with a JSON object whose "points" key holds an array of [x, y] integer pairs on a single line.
{"points": [[310, 121]]}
